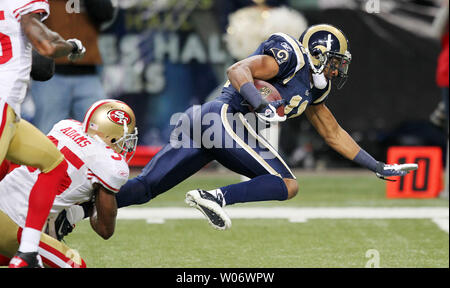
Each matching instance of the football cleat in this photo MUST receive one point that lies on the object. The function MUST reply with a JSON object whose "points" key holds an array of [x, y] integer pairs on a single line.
{"points": [[210, 206], [26, 260]]}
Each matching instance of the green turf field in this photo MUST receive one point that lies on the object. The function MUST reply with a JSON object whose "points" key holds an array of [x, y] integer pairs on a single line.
{"points": [[254, 243]]}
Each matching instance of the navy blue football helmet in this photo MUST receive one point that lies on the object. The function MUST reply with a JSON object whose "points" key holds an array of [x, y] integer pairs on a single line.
{"points": [[324, 42]]}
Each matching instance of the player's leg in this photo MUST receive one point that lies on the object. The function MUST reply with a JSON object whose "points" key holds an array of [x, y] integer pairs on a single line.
{"points": [[271, 178], [8, 240], [168, 168], [7, 127], [9, 244], [176, 161], [53, 253], [32, 148], [56, 254], [249, 155]]}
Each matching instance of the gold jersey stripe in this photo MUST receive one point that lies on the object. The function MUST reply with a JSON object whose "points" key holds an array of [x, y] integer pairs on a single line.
{"points": [[324, 94]]}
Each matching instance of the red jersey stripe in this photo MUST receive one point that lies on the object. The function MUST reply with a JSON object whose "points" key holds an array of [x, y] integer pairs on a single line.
{"points": [[106, 184], [29, 3], [72, 158]]}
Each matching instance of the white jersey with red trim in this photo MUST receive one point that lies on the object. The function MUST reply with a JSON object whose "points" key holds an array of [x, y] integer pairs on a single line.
{"points": [[15, 49], [89, 161]]}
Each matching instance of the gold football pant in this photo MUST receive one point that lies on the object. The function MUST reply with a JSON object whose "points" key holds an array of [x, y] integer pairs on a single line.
{"points": [[24, 144], [54, 253]]}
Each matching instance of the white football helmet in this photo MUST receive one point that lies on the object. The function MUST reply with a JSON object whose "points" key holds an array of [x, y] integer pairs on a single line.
{"points": [[114, 123]]}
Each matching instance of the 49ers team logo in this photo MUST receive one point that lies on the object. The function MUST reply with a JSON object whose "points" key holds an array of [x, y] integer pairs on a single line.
{"points": [[119, 116]]}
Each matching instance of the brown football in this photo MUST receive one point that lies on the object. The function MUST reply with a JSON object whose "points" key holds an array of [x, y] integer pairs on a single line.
{"points": [[269, 93]]}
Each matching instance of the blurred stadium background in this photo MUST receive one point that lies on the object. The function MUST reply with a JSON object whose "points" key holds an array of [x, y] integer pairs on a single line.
{"points": [[162, 56]]}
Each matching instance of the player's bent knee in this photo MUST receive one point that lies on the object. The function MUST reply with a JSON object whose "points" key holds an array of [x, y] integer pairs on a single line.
{"points": [[55, 160], [292, 187]]}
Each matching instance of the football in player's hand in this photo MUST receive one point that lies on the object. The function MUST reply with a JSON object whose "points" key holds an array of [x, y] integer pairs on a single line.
{"points": [[269, 93]]}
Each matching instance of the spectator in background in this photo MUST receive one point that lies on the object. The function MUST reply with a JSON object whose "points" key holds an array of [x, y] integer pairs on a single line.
{"points": [[440, 30], [440, 26], [75, 86]]}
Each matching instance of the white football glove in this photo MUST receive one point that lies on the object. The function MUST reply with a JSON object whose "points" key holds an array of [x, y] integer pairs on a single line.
{"points": [[268, 111], [78, 50], [385, 170]]}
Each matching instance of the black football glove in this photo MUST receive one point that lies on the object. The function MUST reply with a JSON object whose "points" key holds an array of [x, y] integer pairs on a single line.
{"points": [[64, 223], [60, 227]]}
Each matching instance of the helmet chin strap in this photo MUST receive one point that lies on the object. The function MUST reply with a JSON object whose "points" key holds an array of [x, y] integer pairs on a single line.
{"points": [[313, 68], [319, 79], [98, 138]]}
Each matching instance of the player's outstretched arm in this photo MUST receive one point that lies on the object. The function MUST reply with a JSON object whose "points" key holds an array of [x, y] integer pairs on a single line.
{"points": [[326, 125], [337, 138], [103, 218], [47, 42]]}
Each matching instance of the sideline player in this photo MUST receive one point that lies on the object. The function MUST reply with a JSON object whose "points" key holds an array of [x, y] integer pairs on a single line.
{"points": [[301, 70], [21, 30], [96, 168]]}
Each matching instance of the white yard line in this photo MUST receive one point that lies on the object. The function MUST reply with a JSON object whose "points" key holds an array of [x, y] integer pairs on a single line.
{"points": [[442, 223], [439, 215]]}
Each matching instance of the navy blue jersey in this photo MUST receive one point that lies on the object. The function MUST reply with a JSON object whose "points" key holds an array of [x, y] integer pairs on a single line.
{"points": [[239, 147], [292, 81]]}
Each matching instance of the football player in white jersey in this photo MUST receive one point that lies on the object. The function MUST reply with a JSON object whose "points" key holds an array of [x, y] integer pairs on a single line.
{"points": [[21, 30], [96, 152]]}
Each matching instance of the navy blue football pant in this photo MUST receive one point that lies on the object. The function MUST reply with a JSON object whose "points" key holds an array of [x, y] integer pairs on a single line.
{"points": [[212, 131]]}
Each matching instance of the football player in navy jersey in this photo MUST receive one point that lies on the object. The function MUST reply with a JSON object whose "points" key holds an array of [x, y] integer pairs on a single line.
{"points": [[302, 71]]}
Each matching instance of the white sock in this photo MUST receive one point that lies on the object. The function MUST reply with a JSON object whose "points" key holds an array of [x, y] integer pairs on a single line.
{"points": [[30, 240]]}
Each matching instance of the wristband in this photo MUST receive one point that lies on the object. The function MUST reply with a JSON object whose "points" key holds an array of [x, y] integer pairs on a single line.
{"points": [[251, 94], [87, 206], [364, 159]]}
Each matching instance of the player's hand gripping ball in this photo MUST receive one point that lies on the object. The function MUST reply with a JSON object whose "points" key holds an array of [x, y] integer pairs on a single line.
{"points": [[270, 94]]}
